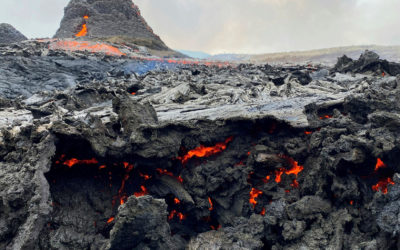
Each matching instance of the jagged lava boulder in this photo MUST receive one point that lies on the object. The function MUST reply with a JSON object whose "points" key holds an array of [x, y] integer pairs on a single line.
{"points": [[8, 34], [116, 20]]}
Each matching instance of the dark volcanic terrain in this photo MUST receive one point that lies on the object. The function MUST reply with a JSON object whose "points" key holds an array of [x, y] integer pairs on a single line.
{"points": [[105, 146], [105, 151]]}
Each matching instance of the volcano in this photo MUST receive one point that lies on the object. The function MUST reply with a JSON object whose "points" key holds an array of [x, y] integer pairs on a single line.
{"points": [[111, 20]]}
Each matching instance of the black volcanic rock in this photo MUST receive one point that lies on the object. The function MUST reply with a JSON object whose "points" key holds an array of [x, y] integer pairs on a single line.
{"points": [[368, 62], [8, 34], [108, 19]]}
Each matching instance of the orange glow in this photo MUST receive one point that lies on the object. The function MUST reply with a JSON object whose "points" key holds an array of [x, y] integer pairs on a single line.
{"points": [[351, 202], [171, 214], [102, 166], [177, 201], [203, 151], [382, 185], [141, 193], [133, 93], [215, 227], [83, 31], [383, 74], [211, 204], [86, 17], [254, 193], [296, 168], [180, 215], [278, 175], [263, 211], [145, 176], [325, 117], [248, 153], [266, 179], [379, 164], [308, 132], [295, 184], [166, 172], [86, 46], [110, 220], [73, 161]]}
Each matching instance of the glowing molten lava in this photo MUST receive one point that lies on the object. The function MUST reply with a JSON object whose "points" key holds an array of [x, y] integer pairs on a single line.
{"points": [[254, 193], [166, 172], [308, 132], [73, 161], [383, 185], [263, 211], [325, 117], [110, 220], [86, 46], [174, 213], [379, 164], [82, 32], [211, 204], [141, 193], [177, 201], [203, 151]]}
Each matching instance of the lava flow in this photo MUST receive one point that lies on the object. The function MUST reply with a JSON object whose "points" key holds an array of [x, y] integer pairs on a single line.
{"points": [[74, 161], [379, 164], [85, 46], [83, 31], [382, 185], [254, 193], [203, 151]]}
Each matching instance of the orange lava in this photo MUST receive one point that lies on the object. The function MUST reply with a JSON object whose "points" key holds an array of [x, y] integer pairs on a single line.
{"points": [[177, 201], [166, 172], [141, 193], [102, 166], [211, 204], [379, 164], [86, 46], [254, 193], [73, 161], [266, 179], [83, 31], [308, 132], [145, 176], [263, 211], [296, 168], [325, 117], [278, 175], [133, 93], [86, 17], [351, 202], [179, 215], [382, 185], [203, 151], [110, 220], [295, 184]]}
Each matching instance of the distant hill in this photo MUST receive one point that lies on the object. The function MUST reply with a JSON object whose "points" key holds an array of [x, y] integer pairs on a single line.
{"points": [[324, 56], [194, 54]]}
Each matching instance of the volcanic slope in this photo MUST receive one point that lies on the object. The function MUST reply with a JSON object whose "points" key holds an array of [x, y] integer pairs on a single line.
{"points": [[197, 156], [117, 21]]}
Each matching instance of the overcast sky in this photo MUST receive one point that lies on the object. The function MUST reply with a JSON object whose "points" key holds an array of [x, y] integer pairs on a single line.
{"points": [[238, 26]]}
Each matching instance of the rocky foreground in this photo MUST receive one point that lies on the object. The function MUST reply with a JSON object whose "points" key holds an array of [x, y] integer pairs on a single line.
{"points": [[115, 151]]}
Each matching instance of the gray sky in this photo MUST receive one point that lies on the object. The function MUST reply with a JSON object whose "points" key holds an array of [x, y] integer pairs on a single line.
{"points": [[239, 26]]}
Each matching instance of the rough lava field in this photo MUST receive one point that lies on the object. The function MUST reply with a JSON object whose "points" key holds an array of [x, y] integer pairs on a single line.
{"points": [[106, 146]]}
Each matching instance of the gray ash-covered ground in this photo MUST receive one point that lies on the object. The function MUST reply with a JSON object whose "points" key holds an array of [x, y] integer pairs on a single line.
{"points": [[95, 156]]}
